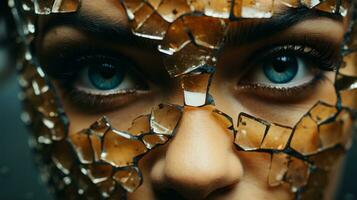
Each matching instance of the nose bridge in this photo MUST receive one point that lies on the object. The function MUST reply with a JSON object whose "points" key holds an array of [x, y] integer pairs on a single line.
{"points": [[201, 158]]}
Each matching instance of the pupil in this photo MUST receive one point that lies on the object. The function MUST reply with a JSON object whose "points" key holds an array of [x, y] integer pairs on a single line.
{"points": [[105, 76], [107, 71], [281, 69]]}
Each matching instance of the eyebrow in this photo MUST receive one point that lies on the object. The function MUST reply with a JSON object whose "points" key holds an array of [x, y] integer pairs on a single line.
{"points": [[249, 30]]}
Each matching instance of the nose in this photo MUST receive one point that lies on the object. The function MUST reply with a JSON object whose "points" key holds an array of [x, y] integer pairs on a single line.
{"points": [[200, 160]]}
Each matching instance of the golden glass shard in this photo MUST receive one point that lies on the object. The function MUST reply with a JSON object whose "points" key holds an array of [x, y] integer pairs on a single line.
{"points": [[175, 39], [322, 112], [298, 173], [250, 132], [106, 187], [56, 127], [120, 150], [171, 10], [131, 6], [253, 8], [164, 119], [330, 134], [99, 172], [345, 117], [311, 3], [85, 186], [43, 7], [278, 4], [42, 133], [62, 156], [65, 6], [278, 168], [100, 127], [82, 146], [96, 143], [130, 178], [326, 160], [225, 120], [344, 82], [140, 16], [217, 9], [154, 3], [327, 6], [140, 125], [154, 27], [348, 98], [277, 137], [188, 59], [348, 66], [152, 140], [305, 138], [195, 88], [207, 36]]}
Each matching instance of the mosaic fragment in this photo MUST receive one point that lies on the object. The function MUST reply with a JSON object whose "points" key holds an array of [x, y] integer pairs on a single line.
{"points": [[225, 120], [164, 119], [330, 134], [43, 7], [65, 6], [286, 3], [129, 178], [344, 82], [305, 138], [154, 28], [106, 188], [322, 112], [99, 172], [348, 66], [171, 10], [100, 127], [277, 137], [250, 132], [253, 8], [345, 117], [278, 168], [62, 156], [96, 144], [140, 125], [188, 59], [195, 88], [120, 150], [214, 8], [348, 98], [140, 16], [132, 6], [311, 3], [298, 173], [153, 140], [82, 146]]}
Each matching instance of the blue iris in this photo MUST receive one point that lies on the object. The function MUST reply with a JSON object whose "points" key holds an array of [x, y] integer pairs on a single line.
{"points": [[282, 69], [105, 76]]}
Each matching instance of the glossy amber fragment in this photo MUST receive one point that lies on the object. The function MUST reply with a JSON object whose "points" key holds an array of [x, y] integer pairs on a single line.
{"points": [[120, 149], [132, 6], [99, 172], [346, 118], [96, 144], [277, 137], [330, 134], [62, 156], [171, 10], [154, 27], [195, 88], [322, 112], [305, 138], [107, 187], [278, 168], [250, 132], [212, 8], [311, 3], [225, 120], [140, 125], [253, 8], [140, 16], [45, 7], [298, 173], [152, 140], [281, 4], [129, 178], [348, 67], [82, 146], [164, 119], [100, 127]]}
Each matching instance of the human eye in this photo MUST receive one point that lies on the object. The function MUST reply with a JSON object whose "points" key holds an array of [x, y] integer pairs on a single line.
{"points": [[287, 71], [102, 81]]}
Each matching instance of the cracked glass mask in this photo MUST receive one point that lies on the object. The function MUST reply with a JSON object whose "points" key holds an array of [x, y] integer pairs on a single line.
{"points": [[300, 141]]}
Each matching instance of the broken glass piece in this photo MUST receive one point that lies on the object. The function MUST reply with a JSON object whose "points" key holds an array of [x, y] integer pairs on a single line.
{"points": [[140, 16], [56, 127], [195, 88], [225, 120], [217, 9], [120, 149], [330, 134], [62, 156], [118, 194], [151, 141], [140, 125], [286, 3], [65, 6], [154, 28], [43, 7], [277, 137], [96, 144], [347, 132], [348, 66], [130, 178], [154, 3], [131, 6], [42, 133], [278, 168], [164, 119], [82, 146], [250, 132], [348, 98], [311, 3], [207, 36], [106, 187], [322, 112], [305, 138], [298, 173], [253, 8], [84, 184], [171, 10], [344, 82], [99, 172], [100, 127], [188, 59], [175, 39]]}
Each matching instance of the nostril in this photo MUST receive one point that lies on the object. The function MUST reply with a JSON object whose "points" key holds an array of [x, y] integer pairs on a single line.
{"points": [[168, 194]]}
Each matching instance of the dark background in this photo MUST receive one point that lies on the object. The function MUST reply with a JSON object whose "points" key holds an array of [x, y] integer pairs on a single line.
{"points": [[20, 179]]}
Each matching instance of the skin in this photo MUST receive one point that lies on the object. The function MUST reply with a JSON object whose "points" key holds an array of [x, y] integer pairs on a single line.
{"points": [[200, 162]]}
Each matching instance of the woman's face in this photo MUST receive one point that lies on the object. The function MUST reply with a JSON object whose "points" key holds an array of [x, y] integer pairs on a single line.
{"points": [[202, 107]]}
